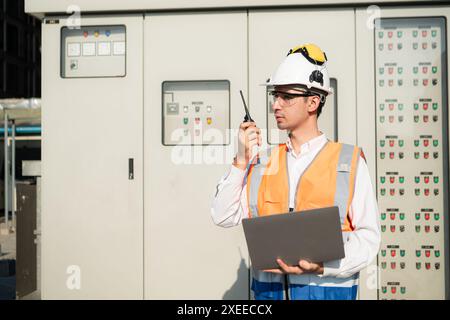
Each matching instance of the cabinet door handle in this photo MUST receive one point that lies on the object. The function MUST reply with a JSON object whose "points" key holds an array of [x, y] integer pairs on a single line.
{"points": [[130, 169]]}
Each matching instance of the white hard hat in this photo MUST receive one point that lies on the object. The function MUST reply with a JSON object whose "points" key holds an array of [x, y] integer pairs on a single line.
{"points": [[305, 66]]}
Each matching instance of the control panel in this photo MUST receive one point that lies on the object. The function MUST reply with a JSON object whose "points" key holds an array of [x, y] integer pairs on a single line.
{"points": [[93, 51], [412, 158], [196, 112]]}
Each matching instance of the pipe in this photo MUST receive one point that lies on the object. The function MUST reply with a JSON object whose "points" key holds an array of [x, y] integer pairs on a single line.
{"points": [[13, 176], [24, 130], [5, 143]]}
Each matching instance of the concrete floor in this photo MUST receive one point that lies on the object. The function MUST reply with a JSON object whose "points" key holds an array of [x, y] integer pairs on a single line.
{"points": [[7, 252], [7, 244]]}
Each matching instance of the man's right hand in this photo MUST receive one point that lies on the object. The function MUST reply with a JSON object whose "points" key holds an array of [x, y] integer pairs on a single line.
{"points": [[248, 137]]}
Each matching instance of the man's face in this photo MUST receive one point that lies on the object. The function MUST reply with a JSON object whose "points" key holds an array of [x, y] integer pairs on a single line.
{"points": [[290, 111]]}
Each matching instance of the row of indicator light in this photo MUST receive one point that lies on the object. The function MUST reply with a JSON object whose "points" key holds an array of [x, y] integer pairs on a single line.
{"points": [[417, 228], [415, 70], [401, 155], [415, 46], [400, 106], [416, 118], [96, 33], [393, 253], [425, 82], [401, 142], [401, 192], [393, 265], [197, 109], [417, 216], [197, 120], [401, 179], [414, 33], [393, 290]]}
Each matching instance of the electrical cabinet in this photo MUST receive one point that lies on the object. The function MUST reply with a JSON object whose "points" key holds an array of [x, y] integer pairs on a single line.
{"points": [[410, 150]]}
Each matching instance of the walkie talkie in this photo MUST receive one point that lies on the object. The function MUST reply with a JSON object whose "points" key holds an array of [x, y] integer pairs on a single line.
{"points": [[247, 117]]}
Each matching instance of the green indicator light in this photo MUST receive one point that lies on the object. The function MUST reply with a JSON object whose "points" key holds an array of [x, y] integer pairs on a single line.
{"points": [[416, 119], [417, 253], [436, 179], [402, 216], [185, 120], [382, 155], [382, 179], [416, 106], [417, 216], [400, 106], [417, 229], [399, 34], [401, 179], [435, 106], [436, 216], [382, 106], [435, 143], [416, 143], [402, 253], [381, 70], [382, 143], [383, 228], [383, 253], [403, 290], [380, 34], [401, 143], [416, 155], [433, 33], [416, 69], [415, 33], [400, 70], [434, 69], [437, 254], [383, 192], [383, 216]]}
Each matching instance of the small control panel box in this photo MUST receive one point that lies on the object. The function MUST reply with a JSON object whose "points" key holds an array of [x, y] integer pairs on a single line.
{"points": [[93, 51]]}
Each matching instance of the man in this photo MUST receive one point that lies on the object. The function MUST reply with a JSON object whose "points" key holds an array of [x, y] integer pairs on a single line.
{"points": [[307, 172]]}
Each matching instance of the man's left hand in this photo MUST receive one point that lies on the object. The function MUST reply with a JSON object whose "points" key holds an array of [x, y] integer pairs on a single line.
{"points": [[302, 267]]}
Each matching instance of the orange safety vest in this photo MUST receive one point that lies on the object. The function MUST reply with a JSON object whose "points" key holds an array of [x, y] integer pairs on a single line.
{"points": [[329, 180]]}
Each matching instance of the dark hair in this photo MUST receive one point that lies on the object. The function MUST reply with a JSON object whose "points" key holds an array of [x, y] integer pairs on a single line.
{"points": [[319, 109]]}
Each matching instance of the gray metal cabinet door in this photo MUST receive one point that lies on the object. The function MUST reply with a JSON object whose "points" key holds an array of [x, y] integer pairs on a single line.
{"points": [[92, 213], [186, 255]]}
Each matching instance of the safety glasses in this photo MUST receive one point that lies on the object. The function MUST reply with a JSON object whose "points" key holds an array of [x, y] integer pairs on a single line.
{"points": [[284, 98]]}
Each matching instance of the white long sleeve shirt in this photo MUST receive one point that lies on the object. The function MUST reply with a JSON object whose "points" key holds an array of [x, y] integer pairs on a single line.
{"points": [[230, 206]]}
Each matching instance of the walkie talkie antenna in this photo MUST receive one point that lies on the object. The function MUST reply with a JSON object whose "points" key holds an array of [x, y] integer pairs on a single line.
{"points": [[247, 117]]}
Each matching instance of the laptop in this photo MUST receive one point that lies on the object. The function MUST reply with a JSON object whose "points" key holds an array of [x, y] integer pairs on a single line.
{"points": [[314, 235]]}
